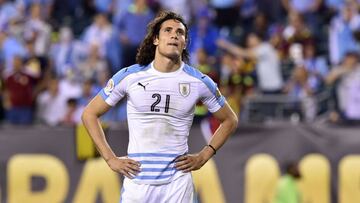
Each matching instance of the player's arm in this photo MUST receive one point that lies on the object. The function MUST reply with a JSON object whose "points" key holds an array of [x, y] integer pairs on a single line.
{"points": [[90, 117], [236, 50], [229, 122]]}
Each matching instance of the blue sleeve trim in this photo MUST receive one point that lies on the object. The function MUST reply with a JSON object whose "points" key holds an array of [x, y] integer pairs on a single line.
{"points": [[121, 74], [221, 101], [103, 95], [208, 82]]}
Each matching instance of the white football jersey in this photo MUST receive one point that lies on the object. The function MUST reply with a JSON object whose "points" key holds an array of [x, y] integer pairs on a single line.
{"points": [[160, 111]]}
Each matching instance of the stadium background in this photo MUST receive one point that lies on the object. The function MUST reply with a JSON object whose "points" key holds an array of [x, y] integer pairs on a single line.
{"points": [[303, 105]]}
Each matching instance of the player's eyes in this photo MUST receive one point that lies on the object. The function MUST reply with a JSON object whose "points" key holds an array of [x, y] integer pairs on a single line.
{"points": [[180, 32]]}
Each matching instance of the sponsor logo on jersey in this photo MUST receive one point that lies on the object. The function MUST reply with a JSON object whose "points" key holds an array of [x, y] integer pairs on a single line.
{"points": [[109, 87], [184, 89], [144, 86]]}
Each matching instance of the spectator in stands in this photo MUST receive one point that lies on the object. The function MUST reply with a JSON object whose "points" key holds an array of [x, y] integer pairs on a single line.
{"points": [[341, 38], [276, 39], [335, 6], [93, 65], [297, 31], [316, 67], [38, 30], [63, 54], [36, 66], [120, 8], [268, 68], [10, 47], [99, 32], [2, 111], [72, 114], [309, 9], [287, 190], [25, 5], [85, 12], [104, 6], [63, 13], [52, 103], [102, 33], [203, 34], [248, 12], [137, 14], [299, 88], [89, 90], [8, 12], [261, 25], [19, 94], [182, 7], [273, 10], [239, 83], [227, 12], [346, 78]]}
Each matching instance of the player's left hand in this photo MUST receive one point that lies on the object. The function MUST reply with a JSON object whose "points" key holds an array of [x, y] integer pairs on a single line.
{"points": [[189, 162]]}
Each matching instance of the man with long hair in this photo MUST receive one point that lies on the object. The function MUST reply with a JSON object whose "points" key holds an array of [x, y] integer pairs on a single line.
{"points": [[161, 92]]}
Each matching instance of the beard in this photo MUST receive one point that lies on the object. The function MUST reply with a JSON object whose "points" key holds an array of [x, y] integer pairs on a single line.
{"points": [[175, 57]]}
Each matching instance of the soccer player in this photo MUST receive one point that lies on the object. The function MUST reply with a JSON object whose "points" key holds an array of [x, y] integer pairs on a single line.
{"points": [[161, 92]]}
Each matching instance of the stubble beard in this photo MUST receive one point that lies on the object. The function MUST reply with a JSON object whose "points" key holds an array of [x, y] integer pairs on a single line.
{"points": [[174, 57]]}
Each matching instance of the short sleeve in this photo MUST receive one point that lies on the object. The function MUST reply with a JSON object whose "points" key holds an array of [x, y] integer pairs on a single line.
{"points": [[115, 88], [210, 95]]}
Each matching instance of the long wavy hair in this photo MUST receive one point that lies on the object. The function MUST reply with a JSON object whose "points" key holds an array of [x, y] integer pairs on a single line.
{"points": [[146, 51]]}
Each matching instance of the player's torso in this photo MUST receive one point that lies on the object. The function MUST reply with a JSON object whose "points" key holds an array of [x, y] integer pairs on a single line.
{"points": [[172, 95]]}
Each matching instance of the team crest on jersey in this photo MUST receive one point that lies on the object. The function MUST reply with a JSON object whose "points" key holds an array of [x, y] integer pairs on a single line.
{"points": [[109, 87], [184, 89]]}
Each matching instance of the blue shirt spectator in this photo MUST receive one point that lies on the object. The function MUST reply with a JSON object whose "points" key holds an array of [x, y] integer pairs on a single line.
{"points": [[338, 4], [24, 6], [133, 23], [103, 6], [316, 67], [302, 5], [203, 34], [10, 47], [120, 8], [341, 38], [132, 30], [8, 12], [223, 3]]}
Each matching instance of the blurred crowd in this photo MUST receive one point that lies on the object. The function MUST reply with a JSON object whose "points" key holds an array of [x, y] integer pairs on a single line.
{"points": [[288, 59]]}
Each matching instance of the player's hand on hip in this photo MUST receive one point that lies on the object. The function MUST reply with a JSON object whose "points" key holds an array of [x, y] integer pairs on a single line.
{"points": [[125, 166], [189, 162]]}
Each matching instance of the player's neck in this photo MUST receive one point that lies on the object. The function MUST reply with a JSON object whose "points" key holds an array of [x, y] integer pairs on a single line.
{"points": [[166, 65]]}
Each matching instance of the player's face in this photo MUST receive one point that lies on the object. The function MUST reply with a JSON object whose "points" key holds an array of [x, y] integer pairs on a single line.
{"points": [[171, 41]]}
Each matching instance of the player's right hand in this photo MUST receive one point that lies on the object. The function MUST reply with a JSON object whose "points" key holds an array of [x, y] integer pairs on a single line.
{"points": [[125, 166]]}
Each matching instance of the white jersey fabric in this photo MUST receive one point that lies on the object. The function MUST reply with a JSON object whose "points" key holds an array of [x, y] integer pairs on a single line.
{"points": [[160, 111]]}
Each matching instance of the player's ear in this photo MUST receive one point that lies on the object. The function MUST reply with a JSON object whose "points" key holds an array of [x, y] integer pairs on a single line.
{"points": [[156, 40]]}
